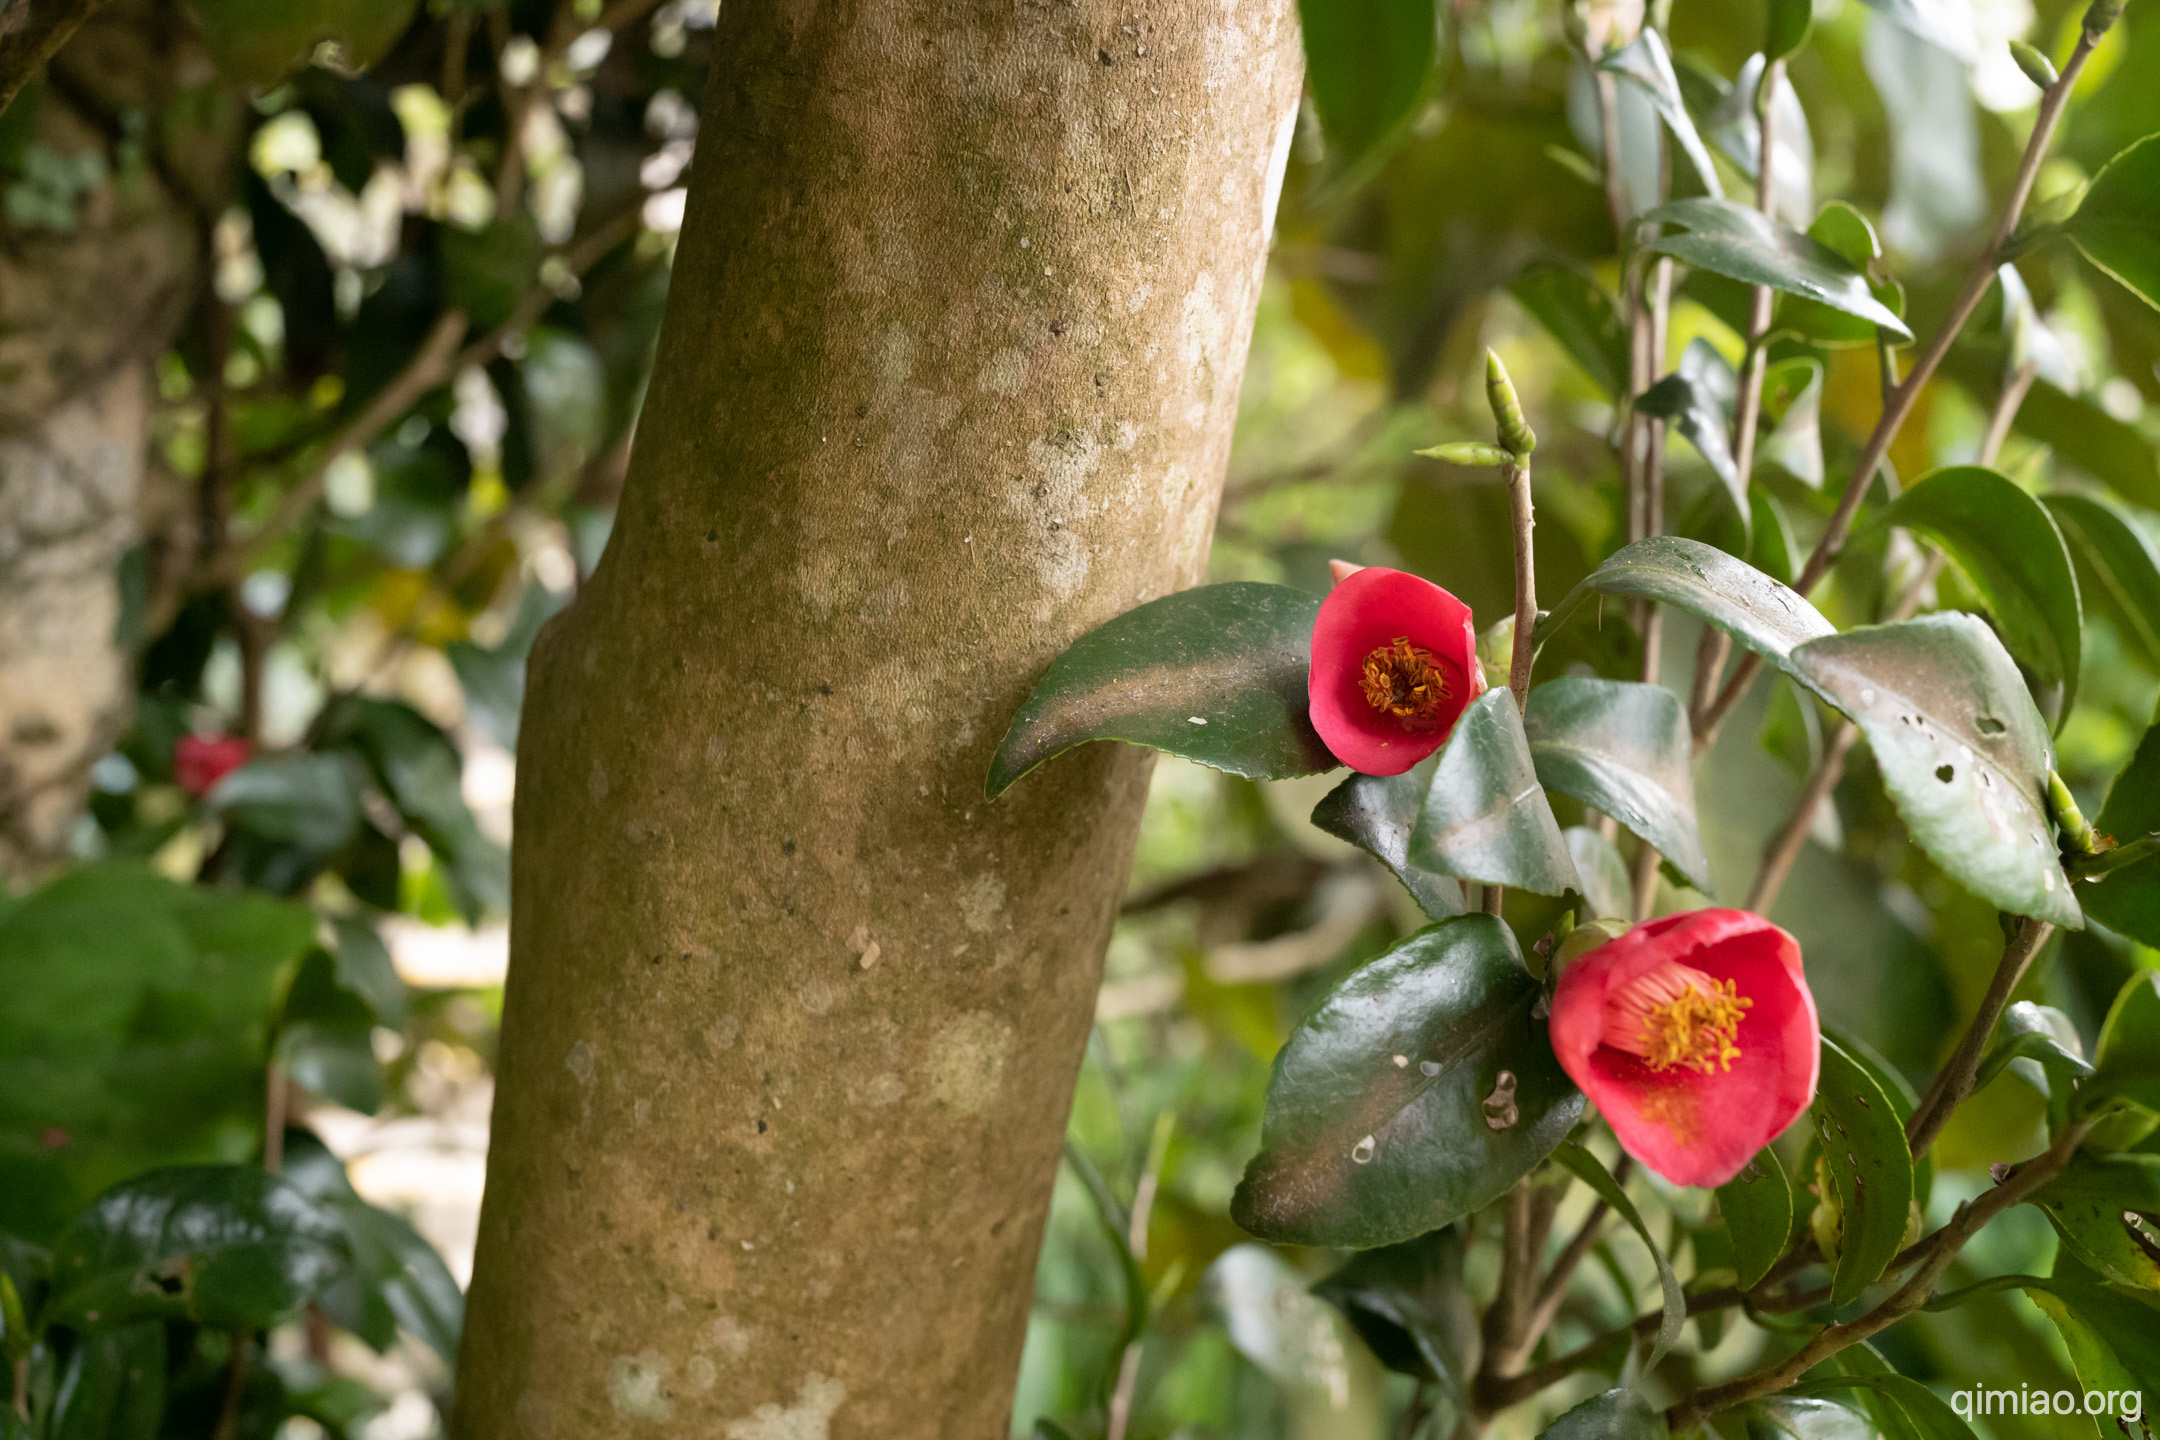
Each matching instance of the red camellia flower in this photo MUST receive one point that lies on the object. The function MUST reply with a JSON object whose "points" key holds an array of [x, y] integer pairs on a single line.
{"points": [[200, 761], [1695, 1036], [1394, 663]]}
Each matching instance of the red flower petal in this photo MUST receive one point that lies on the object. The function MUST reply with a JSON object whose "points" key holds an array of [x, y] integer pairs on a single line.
{"points": [[200, 761], [1368, 611], [1693, 1128]]}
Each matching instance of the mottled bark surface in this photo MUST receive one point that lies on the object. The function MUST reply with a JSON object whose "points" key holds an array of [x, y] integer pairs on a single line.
{"points": [[948, 374]]}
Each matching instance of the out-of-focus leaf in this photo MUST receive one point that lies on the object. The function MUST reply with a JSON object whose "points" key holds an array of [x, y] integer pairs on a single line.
{"points": [[488, 271], [1923, 1411], [1216, 674], [1614, 1415], [260, 42], [2084, 435], [307, 801], [1587, 1168], [1368, 63], [1485, 816], [1377, 813], [1648, 65], [1625, 749], [1844, 229], [1606, 883], [1409, 1304], [2117, 565], [2128, 900], [1937, 192], [365, 968], [1735, 130], [325, 1043], [1869, 1163], [1963, 752], [2126, 1062], [1788, 27], [1576, 311], [396, 1281], [113, 1387], [2032, 342], [2007, 543], [420, 768], [1757, 1205], [1945, 24], [1276, 1323], [2117, 224], [2113, 1336], [1772, 549], [1388, 1115], [1698, 399], [1710, 585], [494, 679], [1792, 402], [2107, 1209], [1744, 244], [224, 1245]]}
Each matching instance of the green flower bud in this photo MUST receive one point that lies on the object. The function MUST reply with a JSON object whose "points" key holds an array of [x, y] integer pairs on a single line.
{"points": [[2037, 67], [1469, 452], [2077, 832], [1515, 432], [1587, 937], [2102, 16]]}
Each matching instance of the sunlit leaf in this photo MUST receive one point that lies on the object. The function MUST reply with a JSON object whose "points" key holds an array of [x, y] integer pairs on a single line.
{"points": [[1743, 244], [1377, 814], [2128, 899], [2117, 224], [1648, 64], [1625, 749], [1485, 816]]}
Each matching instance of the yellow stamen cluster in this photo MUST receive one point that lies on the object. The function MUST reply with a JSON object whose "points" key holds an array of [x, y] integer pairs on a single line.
{"points": [[1677, 1016], [1405, 681]]}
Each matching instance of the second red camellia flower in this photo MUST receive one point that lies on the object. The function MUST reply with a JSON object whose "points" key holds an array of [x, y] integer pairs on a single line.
{"points": [[200, 761], [1394, 664], [1696, 1038]]}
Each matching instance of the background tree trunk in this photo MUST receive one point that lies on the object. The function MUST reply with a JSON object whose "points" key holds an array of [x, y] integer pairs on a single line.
{"points": [[948, 375]]}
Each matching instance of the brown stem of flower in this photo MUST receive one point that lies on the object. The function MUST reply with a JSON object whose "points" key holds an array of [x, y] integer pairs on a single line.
{"points": [[1526, 1217], [1901, 399], [1955, 1081], [1523, 522]]}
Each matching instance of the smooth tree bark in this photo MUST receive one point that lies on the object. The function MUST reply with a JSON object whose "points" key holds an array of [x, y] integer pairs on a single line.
{"points": [[948, 374]]}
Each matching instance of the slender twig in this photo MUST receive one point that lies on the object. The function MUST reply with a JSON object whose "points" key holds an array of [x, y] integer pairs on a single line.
{"points": [[1955, 1081], [31, 33], [1899, 404], [2006, 408], [1522, 522], [1136, 1238]]}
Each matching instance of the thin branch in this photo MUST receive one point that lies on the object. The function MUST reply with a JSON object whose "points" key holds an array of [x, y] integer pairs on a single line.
{"points": [[31, 33], [1523, 522], [1955, 1081]]}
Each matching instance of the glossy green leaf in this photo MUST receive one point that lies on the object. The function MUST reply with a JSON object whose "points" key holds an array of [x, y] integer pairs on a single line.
{"points": [[2118, 567], [113, 1386], [2126, 1062], [2117, 224], [1576, 311], [1698, 401], [1792, 403], [326, 1040], [1485, 816], [1869, 1163], [1216, 674], [311, 802], [1903, 1098], [1587, 1168], [1844, 229], [260, 42], [2043, 1037], [1368, 64], [2106, 1208], [225, 1245], [1928, 1415], [1744, 244], [1788, 27], [1648, 65], [2113, 1336], [1757, 1205], [1615, 1415], [2128, 899], [1962, 751], [1861, 1363], [1623, 748], [1377, 813], [1607, 886], [396, 1280], [1388, 1115], [2006, 542], [1410, 1305], [1712, 586]]}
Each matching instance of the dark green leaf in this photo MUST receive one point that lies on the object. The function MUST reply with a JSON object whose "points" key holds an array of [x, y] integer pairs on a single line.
{"points": [[1367, 63], [2042, 1036], [2117, 224], [396, 1281], [1710, 585], [1743, 244], [2084, 435], [2006, 542], [488, 271], [1614, 1415], [1649, 66], [1587, 1168], [419, 767], [1698, 400], [1376, 813], [1387, 1115], [1863, 1143], [1485, 818], [2107, 1210], [1215, 674], [1792, 400], [1408, 1303], [494, 679], [2126, 1062], [1758, 1208], [1962, 751], [1844, 229], [364, 967], [113, 1387], [2118, 568], [1576, 311], [259, 42], [326, 1041], [307, 801], [1607, 885], [1925, 1412], [1903, 1098], [2128, 900], [1788, 28], [225, 1245], [1625, 749], [2113, 1336]]}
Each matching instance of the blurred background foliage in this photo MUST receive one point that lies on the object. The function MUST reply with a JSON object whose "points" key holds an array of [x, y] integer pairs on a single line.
{"points": [[387, 441]]}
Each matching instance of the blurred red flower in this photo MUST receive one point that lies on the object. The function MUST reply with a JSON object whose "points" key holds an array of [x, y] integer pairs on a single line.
{"points": [[1394, 663], [1695, 1036], [200, 761]]}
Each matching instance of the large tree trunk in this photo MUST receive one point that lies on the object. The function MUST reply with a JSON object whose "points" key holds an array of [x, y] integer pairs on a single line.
{"points": [[947, 378]]}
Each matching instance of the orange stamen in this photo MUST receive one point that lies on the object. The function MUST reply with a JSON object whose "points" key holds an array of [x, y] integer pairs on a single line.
{"points": [[1405, 681], [1677, 1016]]}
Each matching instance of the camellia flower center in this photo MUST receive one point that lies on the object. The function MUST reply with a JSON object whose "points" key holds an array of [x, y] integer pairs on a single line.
{"points": [[1405, 681], [1677, 1016]]}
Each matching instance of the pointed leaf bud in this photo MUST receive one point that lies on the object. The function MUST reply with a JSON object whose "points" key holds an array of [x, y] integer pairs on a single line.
{"points": [[1515, 432], [2037, 67]]}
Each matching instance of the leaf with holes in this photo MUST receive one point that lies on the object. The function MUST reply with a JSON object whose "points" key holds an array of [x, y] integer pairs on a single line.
{"points": [[1376, 813], [224, 1245], [1625, 749], [1698, 400], [2128, 899], [2117, 224], [2005, 541], [1757, 1205], [1368, 64], [2118, 567], [1587, 1168], [1576, 311], [1962, 751], [1648, 65], [1414, 1094], [1903, 1099], [1485, 816], [1742, 243], [1709, 584], [1215, 674], [2106, 1208], [1864, 1149]]}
